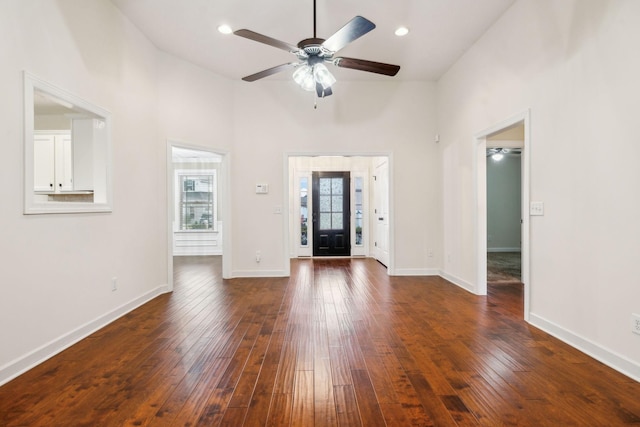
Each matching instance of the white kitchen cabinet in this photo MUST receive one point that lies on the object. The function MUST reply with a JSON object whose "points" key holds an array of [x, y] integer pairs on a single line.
{"points": [[53, 161]]}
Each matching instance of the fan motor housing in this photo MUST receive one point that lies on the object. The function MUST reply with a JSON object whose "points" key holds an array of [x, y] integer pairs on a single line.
{"points": [[313, 47], [310, 42]]}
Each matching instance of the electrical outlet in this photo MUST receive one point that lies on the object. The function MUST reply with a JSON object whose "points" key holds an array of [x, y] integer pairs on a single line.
{"points": [[430, 253], [114, 284], [258, 256], [635, 323]]}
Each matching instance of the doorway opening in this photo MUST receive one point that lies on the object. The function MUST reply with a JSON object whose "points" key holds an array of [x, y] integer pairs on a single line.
{"points": [[504, 207], [336, 202], [197, 207], [502, 197]]}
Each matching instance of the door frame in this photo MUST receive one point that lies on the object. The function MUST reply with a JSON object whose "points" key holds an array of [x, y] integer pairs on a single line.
{"points": [[224, 185], [378, 254], [480, 166], [287, 190]]}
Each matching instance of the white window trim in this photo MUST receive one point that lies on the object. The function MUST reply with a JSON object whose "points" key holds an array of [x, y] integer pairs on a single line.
{"points": [[178, 189]]}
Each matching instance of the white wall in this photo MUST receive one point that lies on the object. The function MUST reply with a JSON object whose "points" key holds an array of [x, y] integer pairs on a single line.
{"points": [[273, 118], [572, 63], [57, 269], [195, 106], [503, 204]]}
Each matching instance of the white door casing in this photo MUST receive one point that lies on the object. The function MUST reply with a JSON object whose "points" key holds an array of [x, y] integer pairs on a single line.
{"points": [[381, 212]]}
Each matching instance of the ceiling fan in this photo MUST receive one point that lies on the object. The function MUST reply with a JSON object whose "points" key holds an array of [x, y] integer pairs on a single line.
{"points": [[498, 153], [312, 53]]}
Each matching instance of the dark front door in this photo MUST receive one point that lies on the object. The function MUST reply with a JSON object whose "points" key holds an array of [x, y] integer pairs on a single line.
{"points": [[330, 192]]}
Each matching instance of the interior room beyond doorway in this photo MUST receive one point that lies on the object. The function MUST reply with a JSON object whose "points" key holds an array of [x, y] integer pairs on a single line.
{"points": [[197, 204], [504, 210]]}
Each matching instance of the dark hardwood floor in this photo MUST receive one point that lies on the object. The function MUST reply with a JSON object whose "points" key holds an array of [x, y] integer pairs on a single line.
{"points": [[337, 343], [504, 267]]}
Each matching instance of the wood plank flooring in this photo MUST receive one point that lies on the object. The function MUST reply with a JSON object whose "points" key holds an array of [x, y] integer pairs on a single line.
{"points": [[339, 343]]}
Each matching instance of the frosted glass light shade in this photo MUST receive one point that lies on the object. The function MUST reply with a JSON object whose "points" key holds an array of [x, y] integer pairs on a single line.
{"points": [[304, 77], [323, 76]]}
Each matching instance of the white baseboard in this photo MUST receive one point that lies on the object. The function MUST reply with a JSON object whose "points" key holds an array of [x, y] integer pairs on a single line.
{"points": [[207, 253], [458, 282], [604, 355], [258, 273], [416, 272], [22, 364], [516, 249]]}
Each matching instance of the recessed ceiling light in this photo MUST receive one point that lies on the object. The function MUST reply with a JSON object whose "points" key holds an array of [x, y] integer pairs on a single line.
{"points": [[225, 29], [402, 31]]}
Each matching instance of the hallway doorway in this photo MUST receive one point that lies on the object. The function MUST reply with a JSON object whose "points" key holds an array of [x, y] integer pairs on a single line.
{"points": [[511, 135], [197, 207]]}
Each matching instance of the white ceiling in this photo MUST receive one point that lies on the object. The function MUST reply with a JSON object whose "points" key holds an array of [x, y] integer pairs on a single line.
{"points": [[440, 32]]}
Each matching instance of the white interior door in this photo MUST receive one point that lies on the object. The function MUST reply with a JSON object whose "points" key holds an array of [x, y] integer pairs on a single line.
{"points": [[381, 212]]}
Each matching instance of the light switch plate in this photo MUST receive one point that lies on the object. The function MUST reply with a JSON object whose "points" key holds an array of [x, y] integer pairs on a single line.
{"points": [[536, 209], [262, 188]]}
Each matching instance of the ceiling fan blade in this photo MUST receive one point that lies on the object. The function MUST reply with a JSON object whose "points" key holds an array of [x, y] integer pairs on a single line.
{"points": [[252, 35], [268, 72], [370, 66], [353, 30]]}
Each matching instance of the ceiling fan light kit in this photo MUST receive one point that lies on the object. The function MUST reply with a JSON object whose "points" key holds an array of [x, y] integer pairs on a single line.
{"points": [[304, 77], [311, 73], [323, 76], [309, 76], [498, 154]]}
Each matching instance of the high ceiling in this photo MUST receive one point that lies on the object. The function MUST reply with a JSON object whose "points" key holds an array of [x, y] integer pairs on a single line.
{"points": [[440, 32]]}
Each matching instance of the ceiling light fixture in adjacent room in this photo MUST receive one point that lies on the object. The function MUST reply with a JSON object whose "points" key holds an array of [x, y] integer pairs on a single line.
{"points": [[498, 153]]}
